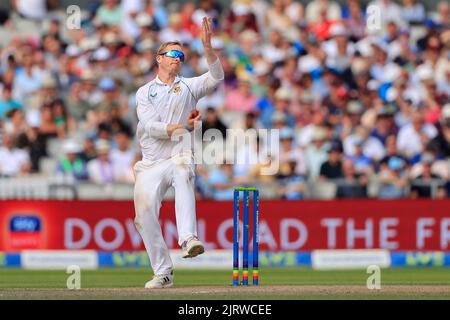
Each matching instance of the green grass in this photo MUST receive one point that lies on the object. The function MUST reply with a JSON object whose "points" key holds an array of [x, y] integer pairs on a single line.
{"points": [[135, 278]]}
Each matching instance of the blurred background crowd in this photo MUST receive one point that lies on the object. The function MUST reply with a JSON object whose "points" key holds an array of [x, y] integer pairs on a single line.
{"points": [[361, 112]]}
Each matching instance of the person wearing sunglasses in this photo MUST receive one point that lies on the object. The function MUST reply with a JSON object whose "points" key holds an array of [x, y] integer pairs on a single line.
{"points": [[166, 110]]}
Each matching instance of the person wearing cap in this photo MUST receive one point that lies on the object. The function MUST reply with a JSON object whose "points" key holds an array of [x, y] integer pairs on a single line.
{"points": [[316, 152], [354, 111], [166, 110], [101, 169], [110, 94], [362, 163], [280, 115], [71, 163], [393, 179], [332, 168], [338, 49], [384, 124], [421, 185], [290, 153]]}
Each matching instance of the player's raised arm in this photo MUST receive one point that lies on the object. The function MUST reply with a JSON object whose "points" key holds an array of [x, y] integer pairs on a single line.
{"points": [[206, 35], [208, 81]]}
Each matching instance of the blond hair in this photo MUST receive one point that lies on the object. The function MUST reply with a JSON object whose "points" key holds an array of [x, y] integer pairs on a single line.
{"points": [[163, 46]]}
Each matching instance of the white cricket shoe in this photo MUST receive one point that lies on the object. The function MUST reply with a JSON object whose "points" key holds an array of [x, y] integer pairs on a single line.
{"points": [[160, 281], [192, 247]]}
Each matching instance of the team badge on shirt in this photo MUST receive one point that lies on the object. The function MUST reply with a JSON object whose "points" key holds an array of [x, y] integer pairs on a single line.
{"points": [[177, 89]]}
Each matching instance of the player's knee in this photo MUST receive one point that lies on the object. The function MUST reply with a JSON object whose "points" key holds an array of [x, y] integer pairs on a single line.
{"points": [[184, 173]]}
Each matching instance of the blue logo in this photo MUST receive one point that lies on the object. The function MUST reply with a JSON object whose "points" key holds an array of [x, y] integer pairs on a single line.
{"points": [[25, 223]]}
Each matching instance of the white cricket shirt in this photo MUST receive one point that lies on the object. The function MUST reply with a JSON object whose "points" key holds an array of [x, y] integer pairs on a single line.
{"points": [[160, 104]]}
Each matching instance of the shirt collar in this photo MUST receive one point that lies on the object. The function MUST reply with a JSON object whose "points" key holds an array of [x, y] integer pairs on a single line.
{"points": [[158, 80]]}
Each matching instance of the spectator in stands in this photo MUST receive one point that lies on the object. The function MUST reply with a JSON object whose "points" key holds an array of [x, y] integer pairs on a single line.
{"points": [[442, 141], [35, 10], [241, 98], [372, 148], [15, 123], [313, 9], [316, 153], [353, 184], [14, 161], [110, 12], [361, 162], [7, 103], [412, 138], [384, 125], [425, 184], [394, 179], [332, 168], [72, 163], [48, 125], [284, 68], [442, 16], [175, 30], [33, 141], [289, 154], [123, 157], [306, 133], [412, 11], [212, 121], [391, 150], [27, 80], [294, 11], [222, 182], [292, 184], [101, 169], [355, 22]]}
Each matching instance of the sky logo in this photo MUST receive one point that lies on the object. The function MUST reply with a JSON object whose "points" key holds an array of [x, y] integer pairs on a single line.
{"points": [[25, 232]]}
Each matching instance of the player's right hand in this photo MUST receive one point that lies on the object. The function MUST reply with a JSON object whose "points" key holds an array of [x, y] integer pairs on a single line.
{"points": [[195, 115]]}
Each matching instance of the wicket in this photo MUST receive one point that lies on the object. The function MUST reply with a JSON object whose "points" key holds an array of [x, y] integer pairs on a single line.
{"points": [[245, 240]]}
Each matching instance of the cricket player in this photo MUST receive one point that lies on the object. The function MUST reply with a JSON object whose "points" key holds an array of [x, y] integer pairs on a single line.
{"points": [[166, 106]]}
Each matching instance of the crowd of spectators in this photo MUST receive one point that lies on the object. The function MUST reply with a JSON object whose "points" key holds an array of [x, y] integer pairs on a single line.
{"points": [[352, 104]]}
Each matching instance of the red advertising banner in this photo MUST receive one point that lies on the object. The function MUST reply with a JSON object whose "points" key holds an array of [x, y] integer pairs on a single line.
{"points": [[284, 225]]}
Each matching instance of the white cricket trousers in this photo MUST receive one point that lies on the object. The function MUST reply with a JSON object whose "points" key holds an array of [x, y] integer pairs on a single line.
{"points": [[152, 182]]}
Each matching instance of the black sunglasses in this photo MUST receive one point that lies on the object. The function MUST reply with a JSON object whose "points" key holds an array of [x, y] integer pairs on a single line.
{"points": [[173, 54]]}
